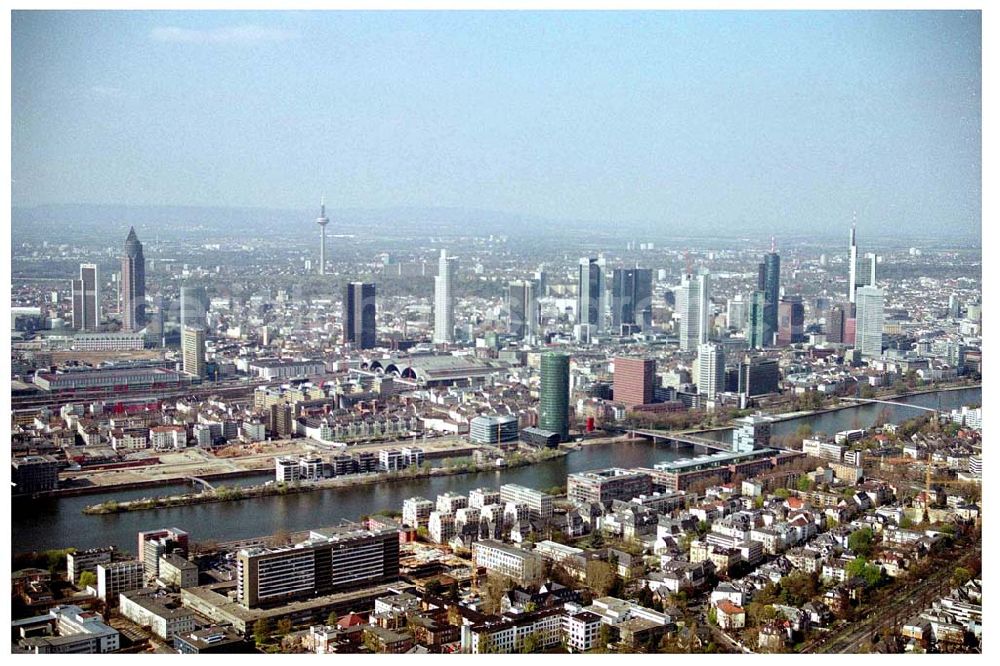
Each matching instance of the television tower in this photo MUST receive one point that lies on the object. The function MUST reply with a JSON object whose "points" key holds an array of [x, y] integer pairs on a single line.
{"points": [[322, 221]]}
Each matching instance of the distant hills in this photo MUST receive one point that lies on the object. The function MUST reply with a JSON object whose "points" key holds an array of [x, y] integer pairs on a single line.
{"points": [[87, 222]]}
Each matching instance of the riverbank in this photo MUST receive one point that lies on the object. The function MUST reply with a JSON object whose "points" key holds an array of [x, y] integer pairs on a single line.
{"points": [[224, 494], [849, 404]]}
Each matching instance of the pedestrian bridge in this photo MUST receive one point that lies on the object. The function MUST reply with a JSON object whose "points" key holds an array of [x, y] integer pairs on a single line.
{"points": [[890, 402], [205, 484]]}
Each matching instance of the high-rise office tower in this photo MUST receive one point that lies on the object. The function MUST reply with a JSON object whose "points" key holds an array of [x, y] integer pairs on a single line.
{"points": [[193, 350], [758, 375], [634, 380], [954, 306], [194, 306], [86, 299], [322, 221], [522, 309], [870, 321], [590, 299], [852, 263], [736, 312], [554, 402], [835, 320], [632, 298], [863, 270], [444, 299], [769, 281], [541, 279], [133, 284], [359, 314], [711, 369], [692, 306], [791, 320], [760, 334]]}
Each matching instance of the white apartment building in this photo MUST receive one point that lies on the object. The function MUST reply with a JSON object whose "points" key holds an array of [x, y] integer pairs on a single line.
{"points": [[451, 502], [168, 437], [441, 526], [539, 503], [417, 511], [480, 497]]}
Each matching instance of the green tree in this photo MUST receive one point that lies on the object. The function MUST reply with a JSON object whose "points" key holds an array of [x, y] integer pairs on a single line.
{"points": [[603, 636], [284, 627], [870, 573], [960, 576], [87, 578], [804, 484], [332, 618], [861, 541], [531, 643], [261, 631], [600, 577], [493, 592]]}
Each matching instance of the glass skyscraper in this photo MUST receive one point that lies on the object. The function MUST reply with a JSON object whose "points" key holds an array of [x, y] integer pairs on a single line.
{"points": [[554, 409]]}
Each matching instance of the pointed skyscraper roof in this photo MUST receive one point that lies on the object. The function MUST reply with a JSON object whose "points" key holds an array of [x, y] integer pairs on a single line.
{"points": [[131, 235]]}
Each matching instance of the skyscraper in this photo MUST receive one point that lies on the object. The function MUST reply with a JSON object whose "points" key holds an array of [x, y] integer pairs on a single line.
{"points": [[133, 284], [835, 322], [522, 309], [863, 270], [769, 281], [554, 403], [590, 300], [852, 263], [444, 299], [359, 314], [634, 380], [86, 299], [194, 306], [322, 221], [193, 350], [791, 320], [711, 369], [632, 298], [692, 306], [760, 333], [870, 321], [736, 313]]}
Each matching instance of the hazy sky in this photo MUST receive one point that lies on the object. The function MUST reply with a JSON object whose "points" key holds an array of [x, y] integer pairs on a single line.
{"points": [[689, 118]]}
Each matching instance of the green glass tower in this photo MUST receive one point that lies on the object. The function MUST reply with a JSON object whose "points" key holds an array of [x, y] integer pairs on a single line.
{"points": [[554, 414], [760, 332]]}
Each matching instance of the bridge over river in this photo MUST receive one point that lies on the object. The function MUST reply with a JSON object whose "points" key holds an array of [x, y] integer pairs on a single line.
{"points": [[680, 438]]}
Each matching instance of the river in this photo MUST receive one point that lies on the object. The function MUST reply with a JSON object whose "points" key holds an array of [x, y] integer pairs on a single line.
{"points": [[58, 523]]}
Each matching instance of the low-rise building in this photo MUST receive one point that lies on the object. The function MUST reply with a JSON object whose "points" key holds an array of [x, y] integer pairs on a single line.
{"points": [[157, 610], [524, 566], [178, 571]]}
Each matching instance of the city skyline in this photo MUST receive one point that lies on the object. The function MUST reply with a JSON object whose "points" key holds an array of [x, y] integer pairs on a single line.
{"points": [[545, 387], [838, 98]]}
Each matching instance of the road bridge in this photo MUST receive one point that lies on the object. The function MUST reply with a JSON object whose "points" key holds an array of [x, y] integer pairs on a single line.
{"points": [[681, 438]]}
